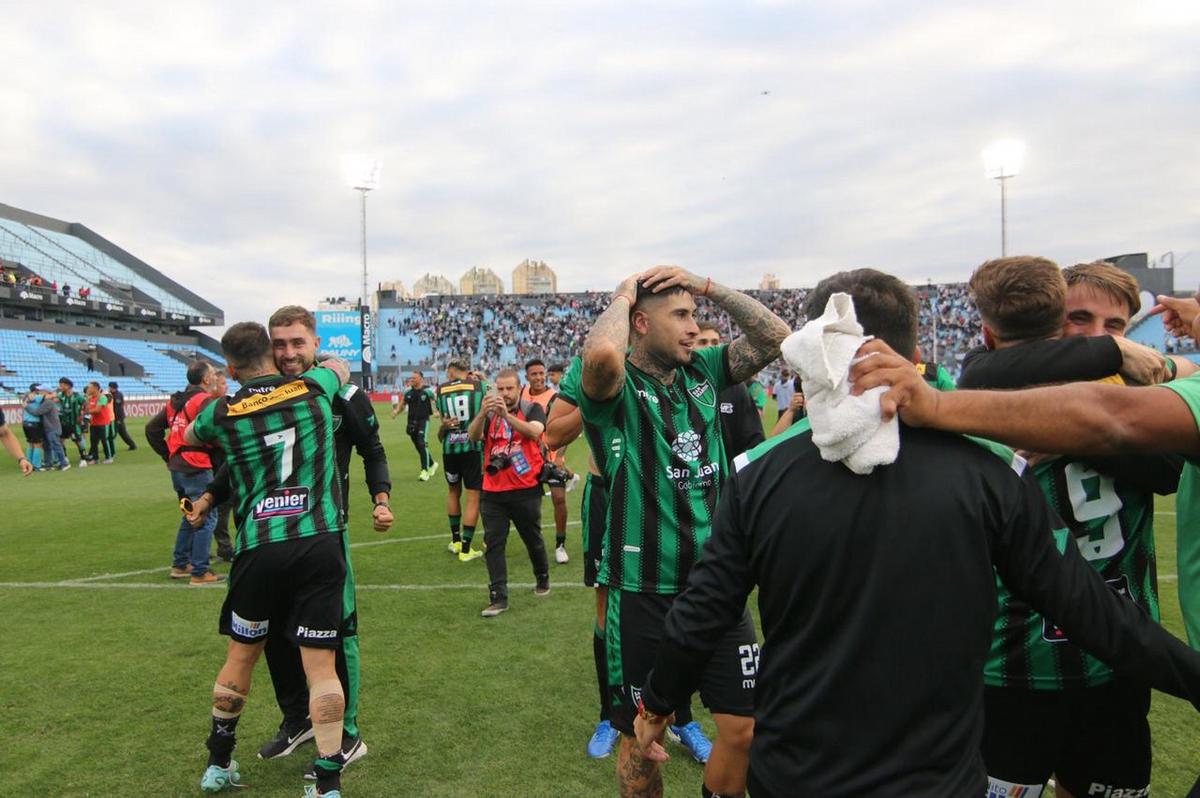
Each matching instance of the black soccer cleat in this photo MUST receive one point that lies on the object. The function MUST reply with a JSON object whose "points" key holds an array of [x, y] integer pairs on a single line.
{"points": [[287, 740]]}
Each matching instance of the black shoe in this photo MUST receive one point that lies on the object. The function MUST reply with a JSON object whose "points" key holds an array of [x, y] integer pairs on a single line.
{"points": [[353, 749], [226, 555], [287, 739], [543, 587]]}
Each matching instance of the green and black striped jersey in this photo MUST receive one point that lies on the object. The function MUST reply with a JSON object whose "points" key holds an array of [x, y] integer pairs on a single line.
{"points": [[70, 408], [1112, 523], [277, 434], [660, 451], [460, 399]]}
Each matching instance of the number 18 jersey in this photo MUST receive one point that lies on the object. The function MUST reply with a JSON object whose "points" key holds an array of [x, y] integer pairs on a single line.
{"points": [[460, 399], [277, 434]]}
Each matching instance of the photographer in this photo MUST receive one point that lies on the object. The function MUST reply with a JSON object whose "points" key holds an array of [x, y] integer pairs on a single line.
{"points": [[512, 455]]}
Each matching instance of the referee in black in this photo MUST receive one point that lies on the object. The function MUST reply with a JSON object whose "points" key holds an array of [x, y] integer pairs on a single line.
{"points": [[877, 596]]}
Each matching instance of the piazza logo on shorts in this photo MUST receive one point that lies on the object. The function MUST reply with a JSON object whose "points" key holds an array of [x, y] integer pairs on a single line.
{"points": [[281, 503], [248, 629], [315, 634]]}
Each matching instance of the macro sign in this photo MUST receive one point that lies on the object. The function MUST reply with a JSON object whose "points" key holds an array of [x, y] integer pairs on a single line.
{"points": [[341, 334]]}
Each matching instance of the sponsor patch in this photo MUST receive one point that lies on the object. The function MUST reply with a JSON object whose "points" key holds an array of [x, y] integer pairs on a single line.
{"points": [[282, 502], [1007, 789], [316, 634], [283, 393], [248, 629]]}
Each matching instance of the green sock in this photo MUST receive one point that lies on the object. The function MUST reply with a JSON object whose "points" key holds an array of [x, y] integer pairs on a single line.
{"points": [[454, 519]]}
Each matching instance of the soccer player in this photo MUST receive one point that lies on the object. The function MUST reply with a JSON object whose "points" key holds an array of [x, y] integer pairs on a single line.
{"points": [[289, 569], [741, 417], [1050, 708], [295, 344], [419, 399], [537, 391], [649, 404], [876, 628], [13, 447], [99, 408], [118, 400], [458, 402], [31, 425], [70, 414]]}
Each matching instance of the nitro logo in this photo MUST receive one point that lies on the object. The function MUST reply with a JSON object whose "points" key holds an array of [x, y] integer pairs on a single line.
{"points": [[649, 397], [282, 503], [315, 634]]}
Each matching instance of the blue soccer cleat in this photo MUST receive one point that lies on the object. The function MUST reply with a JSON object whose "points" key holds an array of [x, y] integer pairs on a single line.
{"points": [[692, 738], [602, 742], [217, 778]]}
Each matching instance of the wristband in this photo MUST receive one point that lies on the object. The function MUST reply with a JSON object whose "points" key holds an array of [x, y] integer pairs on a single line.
{"points": [[1171, 367]]}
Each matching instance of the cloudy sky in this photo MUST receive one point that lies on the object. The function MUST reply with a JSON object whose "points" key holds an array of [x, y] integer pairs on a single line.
{"points": [[734, 138]]}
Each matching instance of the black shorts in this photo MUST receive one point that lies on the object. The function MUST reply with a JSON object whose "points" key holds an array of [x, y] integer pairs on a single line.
{"points": [[633, 628], [33, 433], [464, 467], [295, 583], [1094, 740], [595, 512], [417, 426]]}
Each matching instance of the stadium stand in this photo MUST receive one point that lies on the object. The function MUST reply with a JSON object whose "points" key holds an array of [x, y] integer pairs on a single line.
{"points": [[73, 304]]}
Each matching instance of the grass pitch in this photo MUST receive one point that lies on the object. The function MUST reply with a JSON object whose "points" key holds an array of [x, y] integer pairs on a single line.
{"points": [[108, 665]]}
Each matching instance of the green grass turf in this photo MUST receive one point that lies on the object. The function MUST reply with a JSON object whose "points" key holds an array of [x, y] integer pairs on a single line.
{"points": [[106, 690]]}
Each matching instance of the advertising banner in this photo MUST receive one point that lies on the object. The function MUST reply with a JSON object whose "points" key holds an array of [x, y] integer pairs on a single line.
{"points": [[341, 334]]}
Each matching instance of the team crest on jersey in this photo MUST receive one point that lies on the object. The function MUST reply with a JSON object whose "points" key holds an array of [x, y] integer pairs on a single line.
{"points": [[704, 394], [337, 422], [282, 503], [687, 446]]}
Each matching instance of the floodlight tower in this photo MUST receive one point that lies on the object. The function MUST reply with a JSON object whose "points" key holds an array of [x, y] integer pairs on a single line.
{"points": [[1001, 160], [362, 175]]}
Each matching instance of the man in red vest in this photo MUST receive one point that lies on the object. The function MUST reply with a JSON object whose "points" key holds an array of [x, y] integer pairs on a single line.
{"points": [[191, 468]]}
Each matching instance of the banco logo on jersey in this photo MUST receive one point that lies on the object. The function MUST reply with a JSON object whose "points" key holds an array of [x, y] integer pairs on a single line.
{"points": [[704, 394], [281, 503], [687, 445]]}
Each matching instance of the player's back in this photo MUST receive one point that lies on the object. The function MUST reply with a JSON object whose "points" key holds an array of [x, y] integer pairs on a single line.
{"points": [[877, 598], [277, 435], [461, 400]]}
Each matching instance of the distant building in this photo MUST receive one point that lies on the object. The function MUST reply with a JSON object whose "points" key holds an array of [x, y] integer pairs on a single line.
{"points": [[396, 287], [534, 277], [338, 303], [769, 282], [432, 284], [480, 280]]}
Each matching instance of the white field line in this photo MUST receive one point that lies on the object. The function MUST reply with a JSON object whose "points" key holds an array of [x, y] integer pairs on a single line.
{"points": [[93, 581]]}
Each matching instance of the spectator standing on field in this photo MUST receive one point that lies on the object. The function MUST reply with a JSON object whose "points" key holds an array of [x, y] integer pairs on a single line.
{"points": [[99, 409], [191, 468]]}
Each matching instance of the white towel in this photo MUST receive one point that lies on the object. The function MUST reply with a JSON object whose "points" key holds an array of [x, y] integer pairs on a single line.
{"points": [[847, 429]]}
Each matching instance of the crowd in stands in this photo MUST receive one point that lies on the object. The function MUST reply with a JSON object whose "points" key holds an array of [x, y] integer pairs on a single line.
{"points": [[553, 327], [14, 277]]}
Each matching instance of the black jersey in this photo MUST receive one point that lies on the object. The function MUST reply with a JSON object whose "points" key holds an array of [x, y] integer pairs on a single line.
{"points": [[419, 402], [356, 427], [876, 596], [741, 425]]}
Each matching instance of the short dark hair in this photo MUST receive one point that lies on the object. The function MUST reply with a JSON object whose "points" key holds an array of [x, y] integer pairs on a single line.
{"points": [[557, 367], [65, 381], [1020, 298], [246, 344], [537, 361], [112, 385], [709, 325], [458, 363], [197, 370], [644, 294], [885, 306]]}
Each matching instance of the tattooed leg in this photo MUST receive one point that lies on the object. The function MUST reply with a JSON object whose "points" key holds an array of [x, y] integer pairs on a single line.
{"points": [[637, 775], [229, 699]]}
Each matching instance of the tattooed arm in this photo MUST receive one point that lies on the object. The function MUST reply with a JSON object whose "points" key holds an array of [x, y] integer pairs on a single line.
{"points": [[762, 330], [604, 349]]}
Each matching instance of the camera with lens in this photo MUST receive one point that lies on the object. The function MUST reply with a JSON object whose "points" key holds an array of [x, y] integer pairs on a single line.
{"points": [[554, 475], [497, 463]]}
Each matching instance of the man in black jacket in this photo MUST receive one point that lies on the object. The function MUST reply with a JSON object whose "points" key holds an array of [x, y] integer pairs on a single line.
{"points": [[877, 597], [118, 400], [293, 332], [741, 421]]}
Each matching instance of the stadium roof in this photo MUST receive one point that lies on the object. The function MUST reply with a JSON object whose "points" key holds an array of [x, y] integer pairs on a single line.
{"points": [[120, 283]]}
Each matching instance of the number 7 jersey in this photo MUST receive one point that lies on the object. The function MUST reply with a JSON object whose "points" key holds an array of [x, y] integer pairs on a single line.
{"points": [[277, 435]]}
